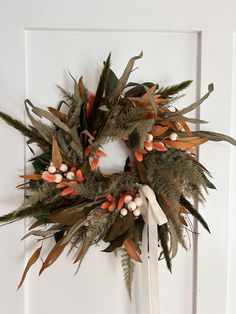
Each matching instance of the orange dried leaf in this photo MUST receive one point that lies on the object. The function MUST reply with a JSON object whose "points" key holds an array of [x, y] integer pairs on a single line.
{"points": [[81, 87], [159, 130], [131, 251], [30, 263], [159, 146], [33, 176], [78, 257], [58, 114], [53, 255], [36, 224], [182, 221], [56, 155]]}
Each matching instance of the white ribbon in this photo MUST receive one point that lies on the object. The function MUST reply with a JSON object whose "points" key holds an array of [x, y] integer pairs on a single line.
{"points": [[153, 216]]}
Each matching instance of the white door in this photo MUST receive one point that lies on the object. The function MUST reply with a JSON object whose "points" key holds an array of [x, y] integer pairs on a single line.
{"points": [[180, 40]]}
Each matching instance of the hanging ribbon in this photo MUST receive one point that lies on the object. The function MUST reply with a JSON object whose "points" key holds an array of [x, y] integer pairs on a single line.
{"points": [[153, 216]]}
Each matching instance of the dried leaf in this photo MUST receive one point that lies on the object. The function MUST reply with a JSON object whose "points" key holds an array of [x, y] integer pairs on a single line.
{"points": [[53, 255], [33, 176], [131, 251], [30, 263], [58, 114], [56, 155]]}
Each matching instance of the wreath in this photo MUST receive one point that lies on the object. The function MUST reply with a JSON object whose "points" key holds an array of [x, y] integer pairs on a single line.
{"points": [[74, 202]]}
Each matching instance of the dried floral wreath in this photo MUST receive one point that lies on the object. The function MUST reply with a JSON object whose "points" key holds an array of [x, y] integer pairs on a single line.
{"points": [[74, 202]]}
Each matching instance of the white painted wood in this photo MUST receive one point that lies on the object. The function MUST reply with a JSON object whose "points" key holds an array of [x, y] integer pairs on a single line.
{"points": [[78, 35], [213, 250]]}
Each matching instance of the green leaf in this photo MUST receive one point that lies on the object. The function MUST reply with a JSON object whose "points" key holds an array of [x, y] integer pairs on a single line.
{"points": [[194, 212], [112, 82], [120, 226], [192, 106], [137, 90]]}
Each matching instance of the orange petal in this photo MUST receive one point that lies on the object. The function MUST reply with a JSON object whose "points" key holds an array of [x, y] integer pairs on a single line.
{"points": [[109, 197], [138, 155], [79, 175], [105, 205], [67, 191], [48, 176], [94, 163], [100, 153], [159, 146], [121, 202]]}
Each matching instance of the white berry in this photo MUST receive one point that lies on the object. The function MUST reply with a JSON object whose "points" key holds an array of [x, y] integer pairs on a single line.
{"points": [[123, 211], [149, 148], [131, 205], [173, 136], [51, 163], [58, 178], [149, 137], [136, 212], [138, 201], [86, 224], [127, 199], [63, 167], [52, 169], [70, 175]]}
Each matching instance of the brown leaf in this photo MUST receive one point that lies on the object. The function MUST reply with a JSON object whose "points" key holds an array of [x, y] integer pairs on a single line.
{"points": [[159, 130], [30, 263], [36, 224], [53, 255], [185, 143], [56, 155], [58, 114], [81, 87], [131, 251], [33, 176], [182, 221], [79, 255]]}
